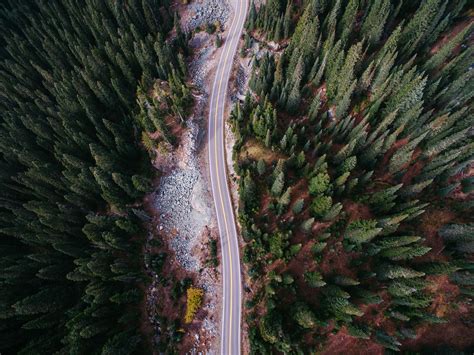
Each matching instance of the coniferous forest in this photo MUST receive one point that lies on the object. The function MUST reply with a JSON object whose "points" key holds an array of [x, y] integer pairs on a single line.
{"points": [[355, 150], [78, 102]]}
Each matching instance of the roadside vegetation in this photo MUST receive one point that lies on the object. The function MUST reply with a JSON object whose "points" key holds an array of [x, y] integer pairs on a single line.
{"points": [[359, 223]]}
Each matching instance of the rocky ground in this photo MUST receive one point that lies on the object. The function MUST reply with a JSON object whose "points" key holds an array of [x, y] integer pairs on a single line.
{"points": [[199, 13], [182, 202]]}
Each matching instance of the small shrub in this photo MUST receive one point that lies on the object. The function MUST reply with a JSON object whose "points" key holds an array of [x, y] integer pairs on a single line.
{"points": [[194, 301]]}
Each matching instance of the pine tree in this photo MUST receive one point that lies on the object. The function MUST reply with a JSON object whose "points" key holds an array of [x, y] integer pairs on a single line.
{"points": [[284, 200], [321, 205], [442, 54], [298, 206], [307, 224], [314, 279], [250, 24], [319, 184], [287, 20], [278, 184], [346, 24], [314, 108], [261, 167], [457, 232], [416, 28], [249, 189], [304, 316], [358, 331], [374, 21], [333, 212], [391, 271], [404, 154]]}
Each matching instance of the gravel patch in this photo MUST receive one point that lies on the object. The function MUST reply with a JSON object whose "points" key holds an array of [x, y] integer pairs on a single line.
{"points": [[203, 12], [202, 63], [185, 221], [199, 14], [181, 197]]}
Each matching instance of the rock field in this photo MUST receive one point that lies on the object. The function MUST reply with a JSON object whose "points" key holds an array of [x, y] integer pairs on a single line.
{"points": [[203, 12], [184, 203]]}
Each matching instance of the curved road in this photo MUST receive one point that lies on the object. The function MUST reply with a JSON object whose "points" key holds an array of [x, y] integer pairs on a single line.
{"points": [[231, 281]]}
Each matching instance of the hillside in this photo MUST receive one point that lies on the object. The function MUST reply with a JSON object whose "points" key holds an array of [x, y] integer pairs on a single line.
{"points": [[354, 150], [87, 88]]}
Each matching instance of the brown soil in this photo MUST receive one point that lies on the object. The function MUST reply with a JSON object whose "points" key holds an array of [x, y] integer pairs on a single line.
{"points": [[447, 37], [444, 293], [430, 222], [356, 211], [255, 150], [342, 344], [145, 327], [457, 332], [412, 171], [374, 313]]}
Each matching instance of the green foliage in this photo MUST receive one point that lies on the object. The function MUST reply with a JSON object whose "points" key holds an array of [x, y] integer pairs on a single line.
{"points": [[261, 167], [82, 84], [270, 327], [277, 244], [321, 205], [403, 288], [439, 268], [374, 21], [387, 341], [404, 253], [218, 41], [248, 190], [307, 224], [358, 331], [298, 206], [304, 316], [396, 272], [319, 184], [333, 212], [368, 103], [278, 184], [362, 231], [345, 281], [314, 279]]}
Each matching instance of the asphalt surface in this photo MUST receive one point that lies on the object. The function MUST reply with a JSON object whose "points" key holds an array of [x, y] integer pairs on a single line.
{"points": [[231, 280]]}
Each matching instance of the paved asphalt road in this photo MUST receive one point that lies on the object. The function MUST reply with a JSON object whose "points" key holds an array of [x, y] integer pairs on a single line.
{"points": [[231, 281]]}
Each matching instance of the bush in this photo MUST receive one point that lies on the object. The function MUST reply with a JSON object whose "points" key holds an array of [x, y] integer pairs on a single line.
{"points": [[194, 300], [218, 41], [210, 28]]}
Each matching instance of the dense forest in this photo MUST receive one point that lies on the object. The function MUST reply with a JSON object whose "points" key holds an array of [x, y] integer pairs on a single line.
{"points": [[85, 90], [355, 154]]}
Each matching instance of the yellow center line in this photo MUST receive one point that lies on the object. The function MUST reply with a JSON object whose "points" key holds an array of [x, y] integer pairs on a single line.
{"points": [[216, 117]]}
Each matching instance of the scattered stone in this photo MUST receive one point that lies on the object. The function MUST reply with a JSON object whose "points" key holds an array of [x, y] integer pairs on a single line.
{"points": [[207, 12], [182, 194]]}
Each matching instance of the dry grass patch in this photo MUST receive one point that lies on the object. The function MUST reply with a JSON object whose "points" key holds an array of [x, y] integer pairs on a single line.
{"points": [[255, 150]]}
